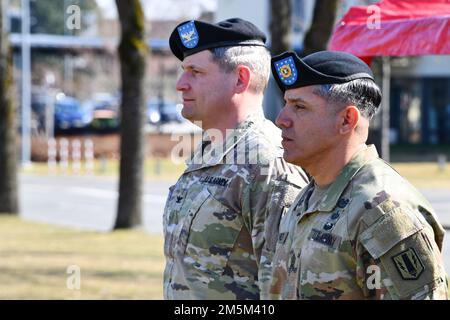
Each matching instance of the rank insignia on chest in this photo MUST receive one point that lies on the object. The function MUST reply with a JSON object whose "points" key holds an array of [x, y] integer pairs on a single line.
{"points": [[408, 264], [286, 70], [188, 34]]}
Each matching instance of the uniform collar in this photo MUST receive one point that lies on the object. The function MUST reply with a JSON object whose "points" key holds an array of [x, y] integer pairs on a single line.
{"points": [[215, 154], [329, 201]]}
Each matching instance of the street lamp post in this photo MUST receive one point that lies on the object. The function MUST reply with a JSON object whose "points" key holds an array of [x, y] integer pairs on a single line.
{"points": [[385, 121], [26, 84]]}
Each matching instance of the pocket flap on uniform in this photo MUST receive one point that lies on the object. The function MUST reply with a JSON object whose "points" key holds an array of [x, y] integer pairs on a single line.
{"points": [[393, 227], [194, 206], [197, 202]]}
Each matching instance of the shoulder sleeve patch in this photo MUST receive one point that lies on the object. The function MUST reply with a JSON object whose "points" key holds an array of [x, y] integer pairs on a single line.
{"points": [[414, 269], [408, 264]]}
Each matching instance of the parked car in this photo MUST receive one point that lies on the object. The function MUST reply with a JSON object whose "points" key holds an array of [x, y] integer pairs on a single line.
{"points": [[106, 112], [163, 112], [70, 114]]}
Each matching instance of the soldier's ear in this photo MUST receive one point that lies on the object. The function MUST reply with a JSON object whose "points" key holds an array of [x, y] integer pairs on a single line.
{"points": [[348, 119], [243, 78]]}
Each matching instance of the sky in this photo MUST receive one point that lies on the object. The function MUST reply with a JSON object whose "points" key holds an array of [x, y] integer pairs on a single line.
{"points": [[164, 9]]}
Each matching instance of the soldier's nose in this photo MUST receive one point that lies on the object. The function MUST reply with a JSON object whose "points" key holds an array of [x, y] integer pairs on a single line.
{"points": [[182, 84], [282, 120]]}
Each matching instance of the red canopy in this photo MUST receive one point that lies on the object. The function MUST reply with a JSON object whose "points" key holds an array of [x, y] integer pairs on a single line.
{"points": [[407, 28]]}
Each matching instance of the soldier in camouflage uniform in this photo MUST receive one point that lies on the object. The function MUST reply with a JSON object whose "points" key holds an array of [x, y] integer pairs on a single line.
{"points": [[358, 230], [221, 218]]}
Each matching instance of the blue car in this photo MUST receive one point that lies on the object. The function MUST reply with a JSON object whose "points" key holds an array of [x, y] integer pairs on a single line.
{"points": [[165, 112], [70, 114]]}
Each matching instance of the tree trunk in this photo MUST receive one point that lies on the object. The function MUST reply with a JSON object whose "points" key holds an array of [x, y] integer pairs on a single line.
{"points": [[318, 35], [280, 26], [280, 35], [132, 53], [8, 161]]}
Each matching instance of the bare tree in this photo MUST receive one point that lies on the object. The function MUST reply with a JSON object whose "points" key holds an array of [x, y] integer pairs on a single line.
{"points": [[132, 52], [280, 41], [280, 26], [8, 161], [316, 39]]}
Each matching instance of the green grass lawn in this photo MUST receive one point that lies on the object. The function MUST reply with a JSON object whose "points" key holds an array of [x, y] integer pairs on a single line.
{"points": [[421, 174], [34, 259], [424, 174]]}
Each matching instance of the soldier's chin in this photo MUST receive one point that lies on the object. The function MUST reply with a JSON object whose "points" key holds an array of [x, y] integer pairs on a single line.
{"points": [[186, 112], [291, 157], [189, 115], [286, 155]]}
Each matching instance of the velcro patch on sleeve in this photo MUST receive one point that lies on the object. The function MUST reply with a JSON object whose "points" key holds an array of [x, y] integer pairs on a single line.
{"points": [[393, 227]]}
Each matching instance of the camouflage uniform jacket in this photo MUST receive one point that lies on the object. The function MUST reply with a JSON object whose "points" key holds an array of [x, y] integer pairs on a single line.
{"points": [[221, 217], [371, 236]]}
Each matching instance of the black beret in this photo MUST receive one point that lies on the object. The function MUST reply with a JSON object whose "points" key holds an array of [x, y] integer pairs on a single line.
{"points": [[193, 36], [323, 67]]}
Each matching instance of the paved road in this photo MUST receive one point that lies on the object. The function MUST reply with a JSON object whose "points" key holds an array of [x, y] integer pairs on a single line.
{"points": [[90, 203], [85, 202], [440, 199]]}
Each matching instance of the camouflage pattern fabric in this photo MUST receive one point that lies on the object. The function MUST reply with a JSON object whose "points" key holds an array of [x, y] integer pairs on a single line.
{"points": [[221, 217], [372, 236]]}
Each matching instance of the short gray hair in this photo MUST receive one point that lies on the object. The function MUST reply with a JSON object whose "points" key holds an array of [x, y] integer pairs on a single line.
{"points": [[363, 93], [257, 58]]}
